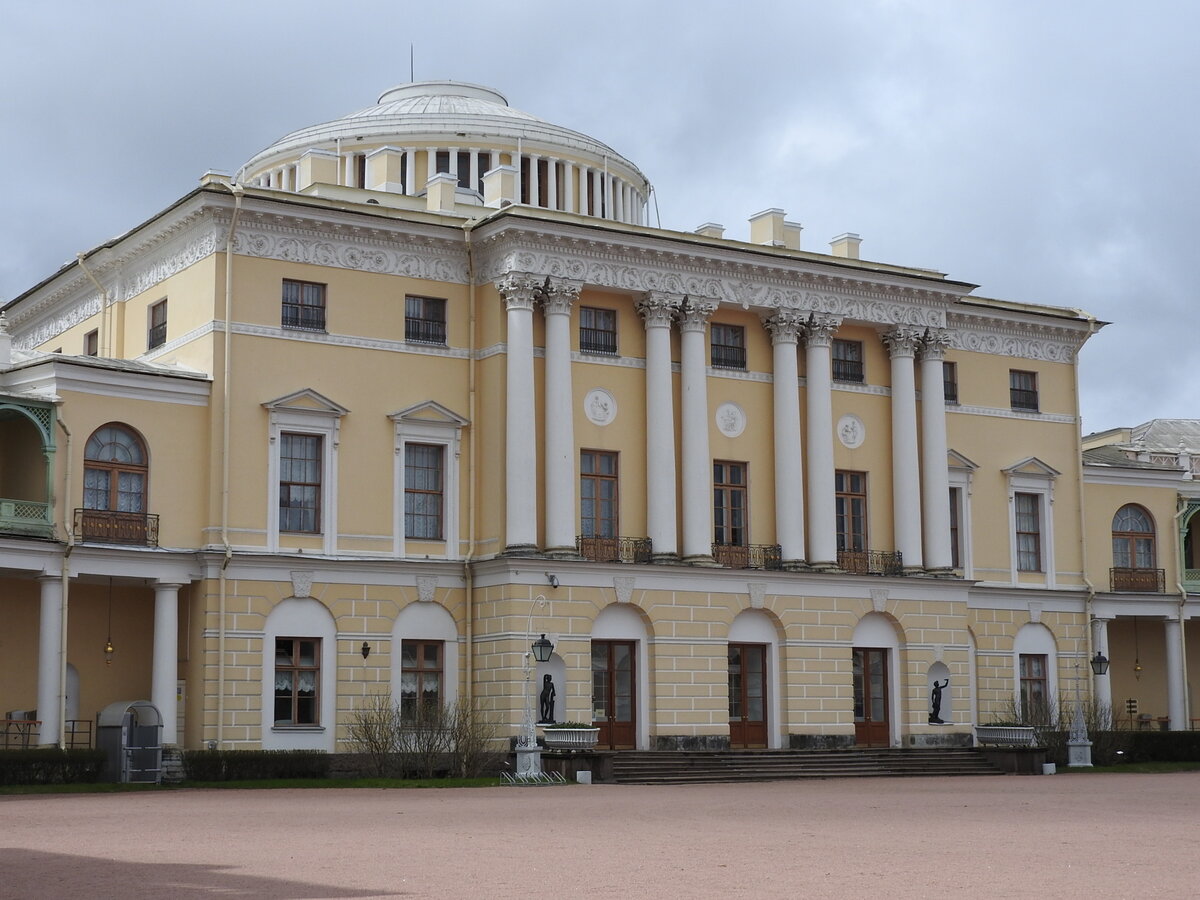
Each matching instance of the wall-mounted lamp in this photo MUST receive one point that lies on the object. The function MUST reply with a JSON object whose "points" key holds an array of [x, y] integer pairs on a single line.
{"points": [[366, 649], [1099, 663], [553, 579]]}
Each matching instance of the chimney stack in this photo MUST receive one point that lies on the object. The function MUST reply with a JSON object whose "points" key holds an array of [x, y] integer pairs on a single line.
{"points": [[770, 228], [500, 187], [712, 230], [846, 245]]}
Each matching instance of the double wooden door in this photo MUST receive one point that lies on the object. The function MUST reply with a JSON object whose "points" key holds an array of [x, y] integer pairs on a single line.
{"points": [[871, 724], [614, 693], [747, 695]]}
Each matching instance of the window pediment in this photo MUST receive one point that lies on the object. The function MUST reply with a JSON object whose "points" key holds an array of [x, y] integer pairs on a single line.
{"points": [[429, 413], [306, 401], [1031, 467], [955, 460]]}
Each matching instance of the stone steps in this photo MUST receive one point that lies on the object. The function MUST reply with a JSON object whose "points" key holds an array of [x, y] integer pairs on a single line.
{"points": [[688, 766]]}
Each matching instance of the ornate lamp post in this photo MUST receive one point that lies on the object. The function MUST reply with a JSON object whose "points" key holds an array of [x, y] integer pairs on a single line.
{"points": [[529, 757]]}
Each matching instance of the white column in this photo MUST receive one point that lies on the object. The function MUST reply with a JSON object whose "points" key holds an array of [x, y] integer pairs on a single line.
{"points": [[410, 171], [608, 196], [430, 163], [473, 171], [516, 164], [520, 461], [697, 459], [935, 478], [534, 179], [619, 200], [818, 372], [569, 186], [1101, 684], [1176, 685], [906, 473], [559, 419], [552, 184], [597, 193], [50, 668], [785, 328], [454, 161], [657, 310], [165, 671]]}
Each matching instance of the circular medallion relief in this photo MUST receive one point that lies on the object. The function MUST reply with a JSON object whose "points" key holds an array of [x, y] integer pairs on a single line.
{"points": [[600, 406], [851, 431], [731, 419]]}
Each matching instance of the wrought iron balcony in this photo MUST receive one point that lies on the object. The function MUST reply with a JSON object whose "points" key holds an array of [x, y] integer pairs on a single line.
{"points": [[1140, 581], [107, 526], [425, 331], [748, 556], [26, 517], [871, 562], [598, 340], [303, 318], [614, 549]]}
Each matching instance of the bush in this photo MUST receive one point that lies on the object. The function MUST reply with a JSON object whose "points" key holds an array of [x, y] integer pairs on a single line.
{"points": [[50, 765], [1162, 746], [254, 765]]}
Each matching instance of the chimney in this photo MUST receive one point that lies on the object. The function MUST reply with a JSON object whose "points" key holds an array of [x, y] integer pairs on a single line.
{"points": [[712, 230], [500, 187], [767, 227], [846, 245], [791, 235], [385, 170], [440, 191], [317, 167]]}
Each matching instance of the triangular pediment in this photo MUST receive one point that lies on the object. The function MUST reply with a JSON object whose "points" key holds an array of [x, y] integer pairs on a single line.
{"points": [[430, 412], [956, 460], [1031, 465], [307, 400]]}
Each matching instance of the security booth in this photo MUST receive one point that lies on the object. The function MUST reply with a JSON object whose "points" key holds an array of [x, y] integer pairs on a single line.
{"points": [[130, 734]]}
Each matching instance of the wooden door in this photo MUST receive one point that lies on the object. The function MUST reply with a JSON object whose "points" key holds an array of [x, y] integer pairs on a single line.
{"points": [[871, 724], [614, 700], [747, 695]]}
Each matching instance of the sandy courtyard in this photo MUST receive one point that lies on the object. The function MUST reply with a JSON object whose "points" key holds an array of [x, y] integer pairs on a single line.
{"points": [[1077, 835]]}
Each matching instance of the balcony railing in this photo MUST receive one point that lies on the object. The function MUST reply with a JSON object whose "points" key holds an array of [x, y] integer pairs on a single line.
{"points": [[597, 340], [871, 562], [424, 331], [107, 526], [26, 517], [616, 549], [748, 556], [156, 336], [1191, 575], [1140, 581], [304, 318], [725, 356]]}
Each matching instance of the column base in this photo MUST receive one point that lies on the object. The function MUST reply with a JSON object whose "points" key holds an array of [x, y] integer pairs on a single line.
{"points": [[522, 550], [913, 570], [824, 566], [561, 553], [796, 565], [702, 559], [942, 573], [665, 559]]}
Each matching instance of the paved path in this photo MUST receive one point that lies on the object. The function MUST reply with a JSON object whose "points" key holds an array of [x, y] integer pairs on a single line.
{"points": [[1076, 835]]}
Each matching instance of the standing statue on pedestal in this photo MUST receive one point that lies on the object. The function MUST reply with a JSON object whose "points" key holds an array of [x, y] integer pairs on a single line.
{"points": [[546, 710], [935, 699]]}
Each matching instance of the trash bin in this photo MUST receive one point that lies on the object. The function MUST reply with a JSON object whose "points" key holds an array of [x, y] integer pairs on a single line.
{"points": [[130, 734]]}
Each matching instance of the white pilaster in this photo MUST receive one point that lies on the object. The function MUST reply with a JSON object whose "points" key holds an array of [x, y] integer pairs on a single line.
{"points": [[49, 683], [822, 509], [165, 671], [1101, 684], [520, 462], [697, 459], [559, 419], [935, 477], [906, 473], [1176, 683], [785, 327], [658, 310]]}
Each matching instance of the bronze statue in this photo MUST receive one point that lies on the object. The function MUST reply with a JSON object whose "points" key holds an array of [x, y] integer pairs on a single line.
{"points": [[935, 717], [547, 700]]}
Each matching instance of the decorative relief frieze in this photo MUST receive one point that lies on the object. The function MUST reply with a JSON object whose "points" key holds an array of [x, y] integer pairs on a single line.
{"points": [[600, 406], [731, 419], [851, 431], [426, 585]]}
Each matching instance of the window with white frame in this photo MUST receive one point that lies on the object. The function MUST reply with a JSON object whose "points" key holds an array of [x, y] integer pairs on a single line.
{"points": [[960, 472], [424, 491], [1031, 520], [1028, 532], [427, 440]]}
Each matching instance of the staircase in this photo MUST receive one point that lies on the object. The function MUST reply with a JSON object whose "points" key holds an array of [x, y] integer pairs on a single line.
{"points": [[687, 766]]}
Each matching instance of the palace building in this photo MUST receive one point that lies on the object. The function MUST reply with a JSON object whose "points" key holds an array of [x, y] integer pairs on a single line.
{"points": [[422, 383]]}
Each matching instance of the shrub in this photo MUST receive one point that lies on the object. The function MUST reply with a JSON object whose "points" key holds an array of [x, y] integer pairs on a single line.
{"points": [[50, 765], [254, 765]]}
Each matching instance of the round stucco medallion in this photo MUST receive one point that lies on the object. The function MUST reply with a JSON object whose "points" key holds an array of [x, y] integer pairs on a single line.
{"points": [[731, 419], [851, 431], [600, 406]]}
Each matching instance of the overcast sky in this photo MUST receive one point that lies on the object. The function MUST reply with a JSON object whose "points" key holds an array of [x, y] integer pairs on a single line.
{"points": [[1047, 152]]}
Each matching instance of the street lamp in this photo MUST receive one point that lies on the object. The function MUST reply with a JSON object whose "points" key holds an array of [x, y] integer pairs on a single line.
{"points": [[529, 757], [1099, 663]]}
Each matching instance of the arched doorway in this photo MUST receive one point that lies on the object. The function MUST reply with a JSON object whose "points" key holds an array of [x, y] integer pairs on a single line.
{"points": [[752, 679], [619, 695], [875, 680]]}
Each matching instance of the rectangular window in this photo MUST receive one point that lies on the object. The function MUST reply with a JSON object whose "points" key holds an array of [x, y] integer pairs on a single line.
{"points": [[1023, 390], [729, 503], [597, 330], [156, 335], [91, 343], [848, 361], [300, 483], [850, 497], [1029, 533], [425, 320], [955, 530], [728, 346], [598, 493], [420, 679], [1034, 690], [424, 491], [297, 676], [950, 381], [303, 305]]}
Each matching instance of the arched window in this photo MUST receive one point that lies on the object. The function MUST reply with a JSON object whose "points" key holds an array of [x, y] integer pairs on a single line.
{"points": [[1133, 538], [115, 470]]}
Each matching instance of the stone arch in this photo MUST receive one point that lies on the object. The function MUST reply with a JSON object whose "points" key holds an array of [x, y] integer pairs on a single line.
{"points": [[880, 630], [1035, 640], [625, 621], [301, 617], [757, 626], [429, 622]]}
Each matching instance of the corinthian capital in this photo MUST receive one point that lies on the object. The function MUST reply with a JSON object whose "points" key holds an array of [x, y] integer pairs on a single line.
{"points": [[934, 343], [902, 341], [519, 289], [559, 294], [785, 326], [694, 314], [658, 309], [819, 329]]}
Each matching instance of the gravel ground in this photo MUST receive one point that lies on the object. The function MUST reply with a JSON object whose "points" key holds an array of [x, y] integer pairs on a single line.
{"points": [[1068, 835]]}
